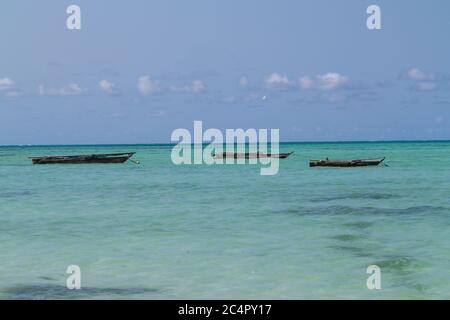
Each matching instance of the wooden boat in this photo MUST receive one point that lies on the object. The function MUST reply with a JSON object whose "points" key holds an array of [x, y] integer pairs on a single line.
{"points": [[251, 155], [345, 163], [91, 158]]}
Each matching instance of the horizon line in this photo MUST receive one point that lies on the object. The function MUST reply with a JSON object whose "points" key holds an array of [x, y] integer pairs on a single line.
{"points": [[175, 143]]}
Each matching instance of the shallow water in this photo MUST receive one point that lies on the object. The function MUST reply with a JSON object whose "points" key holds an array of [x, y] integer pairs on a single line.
{"points": [[157, 230]]}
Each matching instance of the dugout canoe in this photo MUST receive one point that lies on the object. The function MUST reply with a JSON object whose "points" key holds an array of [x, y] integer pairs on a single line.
{"points": [[251, 155], [80, 159], [346, 163]]}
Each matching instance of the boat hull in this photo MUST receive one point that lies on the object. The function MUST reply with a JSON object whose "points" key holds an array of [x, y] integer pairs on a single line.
{"points": [[84, 159], [346, 163], [237, 155]]}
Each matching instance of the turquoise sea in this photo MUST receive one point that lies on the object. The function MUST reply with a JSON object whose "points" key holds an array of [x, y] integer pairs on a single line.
{"points": [[160, 231]]}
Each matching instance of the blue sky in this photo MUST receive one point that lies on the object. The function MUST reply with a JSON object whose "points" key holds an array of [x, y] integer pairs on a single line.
{"points": [[137, 70]]}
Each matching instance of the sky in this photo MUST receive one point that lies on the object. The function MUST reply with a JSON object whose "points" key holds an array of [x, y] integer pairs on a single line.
{"points": [[139, 69]]}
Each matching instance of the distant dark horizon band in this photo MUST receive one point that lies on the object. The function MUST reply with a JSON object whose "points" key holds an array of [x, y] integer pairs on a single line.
{"points": [[207, 143]]}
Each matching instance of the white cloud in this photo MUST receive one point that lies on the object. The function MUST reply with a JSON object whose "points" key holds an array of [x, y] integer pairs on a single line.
{"points": [[9, 87], [327, 81], [419, 75], [196, 86], [71, 89], [148, 86], [424, 80], [276, 80], [107, 86], [7, 84], [331, 81]]}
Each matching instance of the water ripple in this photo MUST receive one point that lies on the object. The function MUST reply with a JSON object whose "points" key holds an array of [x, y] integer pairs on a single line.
{"points": [[346, 210], [49, 291], [364, 196], [15, 194]]}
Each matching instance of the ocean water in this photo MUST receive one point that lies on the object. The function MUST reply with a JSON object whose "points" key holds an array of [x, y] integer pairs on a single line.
{"points": [[160, 231]]}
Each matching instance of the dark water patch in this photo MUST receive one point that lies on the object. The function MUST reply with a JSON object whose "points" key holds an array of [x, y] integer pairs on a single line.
{"points": [[419, 287], [366, 196], [347, 237], [358, 252], [46, 291], [15, 194], [405, 273], [346, 210], [359, 224], [398, 264], [330, 210], [47, 278]]}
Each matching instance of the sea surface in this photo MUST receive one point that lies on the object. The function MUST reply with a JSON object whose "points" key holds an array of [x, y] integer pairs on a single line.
{"points": [[161, 231]]}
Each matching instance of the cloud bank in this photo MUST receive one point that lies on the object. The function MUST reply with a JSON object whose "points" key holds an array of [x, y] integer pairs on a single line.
{"points": [[277, 81], [71, 89], [196, 86], [107, 86], [423, 81], [7, 84], [328, 81], [148, 86]]}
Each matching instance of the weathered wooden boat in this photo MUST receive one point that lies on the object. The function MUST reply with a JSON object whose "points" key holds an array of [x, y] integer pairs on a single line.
{"points": [[251, 155], [79, 159], [346, 163]]}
